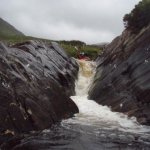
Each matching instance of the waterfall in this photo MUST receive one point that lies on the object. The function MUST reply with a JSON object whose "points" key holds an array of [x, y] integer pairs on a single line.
{"points": [[95, 115]]}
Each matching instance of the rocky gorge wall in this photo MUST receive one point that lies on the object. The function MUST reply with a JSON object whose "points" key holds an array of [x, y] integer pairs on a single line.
{"points": [[36, 81], [122, 79]]}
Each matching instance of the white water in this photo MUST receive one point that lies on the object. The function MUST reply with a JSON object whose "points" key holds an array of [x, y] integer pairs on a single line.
{"points": [[93, 114]]}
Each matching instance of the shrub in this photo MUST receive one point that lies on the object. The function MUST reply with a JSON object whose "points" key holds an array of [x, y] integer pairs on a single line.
{"points": [[139, 16]]}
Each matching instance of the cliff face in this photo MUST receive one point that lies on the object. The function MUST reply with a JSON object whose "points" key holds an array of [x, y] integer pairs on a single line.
{"points": [[122, 80], [36, 81]]}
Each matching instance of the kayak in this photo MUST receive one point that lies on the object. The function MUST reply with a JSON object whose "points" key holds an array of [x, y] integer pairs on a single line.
{"points": [[84, 58]]}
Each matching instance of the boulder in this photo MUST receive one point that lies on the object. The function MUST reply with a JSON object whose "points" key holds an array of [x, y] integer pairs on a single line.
{"points": [[36, 81], [122, 79]]}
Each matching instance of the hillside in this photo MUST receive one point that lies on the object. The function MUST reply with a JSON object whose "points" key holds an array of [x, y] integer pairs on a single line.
{"points": [[11, 35], [7, 30]]}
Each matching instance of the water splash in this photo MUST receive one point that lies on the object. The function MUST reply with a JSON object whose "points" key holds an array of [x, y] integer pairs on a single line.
{"points": [[86, 74]]}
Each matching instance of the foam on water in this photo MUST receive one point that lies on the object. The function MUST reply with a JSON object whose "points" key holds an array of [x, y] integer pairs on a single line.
{"points": [[93, 114]]}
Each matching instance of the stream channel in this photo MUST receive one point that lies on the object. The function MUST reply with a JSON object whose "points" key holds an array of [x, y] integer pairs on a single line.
{"points": [[95, 127]]}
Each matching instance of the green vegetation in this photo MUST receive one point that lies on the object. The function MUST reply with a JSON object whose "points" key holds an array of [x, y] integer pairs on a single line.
{"points": [[19, 39], [73, 43], [90, 51], [139, 17]]}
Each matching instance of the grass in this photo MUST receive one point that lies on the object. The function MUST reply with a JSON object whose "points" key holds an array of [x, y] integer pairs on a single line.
{"points": [[19, 39], [91, 51]]}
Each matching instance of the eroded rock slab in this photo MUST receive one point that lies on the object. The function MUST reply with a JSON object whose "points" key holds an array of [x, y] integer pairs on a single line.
{"points": [[36, 81], [122, 80]]}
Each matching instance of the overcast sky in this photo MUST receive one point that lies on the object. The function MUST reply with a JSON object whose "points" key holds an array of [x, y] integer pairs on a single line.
{"points": [[92, 21]]}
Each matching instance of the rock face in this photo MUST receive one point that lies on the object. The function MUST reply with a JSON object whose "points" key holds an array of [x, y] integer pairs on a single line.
{"points": [[36, 81], [122, 80]]}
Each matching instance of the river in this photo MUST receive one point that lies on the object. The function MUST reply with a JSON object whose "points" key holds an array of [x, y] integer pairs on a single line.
{"points": [[95, 127]]}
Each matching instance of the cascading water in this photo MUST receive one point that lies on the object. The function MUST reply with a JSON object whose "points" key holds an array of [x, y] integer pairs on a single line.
{"points": [[94, 114], [97, 119]]}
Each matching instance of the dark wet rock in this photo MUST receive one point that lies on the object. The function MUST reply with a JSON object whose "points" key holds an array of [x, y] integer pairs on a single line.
{"points": [[122, 80], [36, 81], [61, 138]]}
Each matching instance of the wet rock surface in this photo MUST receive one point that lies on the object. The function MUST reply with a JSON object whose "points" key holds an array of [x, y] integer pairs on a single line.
{"points": [[122, 79], [36, 81], [78, 137]]}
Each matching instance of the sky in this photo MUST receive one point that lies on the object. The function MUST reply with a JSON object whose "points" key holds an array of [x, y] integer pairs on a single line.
{"points": [[91, 21]]}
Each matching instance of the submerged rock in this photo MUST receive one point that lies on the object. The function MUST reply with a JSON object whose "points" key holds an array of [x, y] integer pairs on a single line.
{"points": [[36, 81], [122, 79]]}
